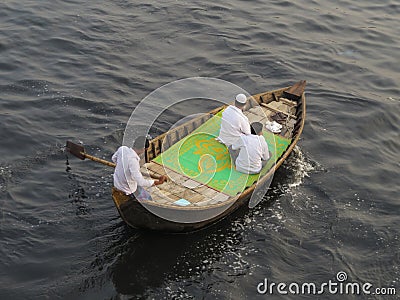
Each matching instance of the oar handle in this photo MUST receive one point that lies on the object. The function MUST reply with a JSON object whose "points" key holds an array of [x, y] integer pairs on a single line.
{"points": [[99, 160], [108, 163]]}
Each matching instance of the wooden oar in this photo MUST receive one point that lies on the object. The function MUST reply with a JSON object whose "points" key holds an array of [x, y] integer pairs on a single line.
{"points": [[79, 151]]}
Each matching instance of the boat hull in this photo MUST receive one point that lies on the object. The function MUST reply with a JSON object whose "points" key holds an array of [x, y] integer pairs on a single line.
{"points": [[136, 215], [146, 215]]}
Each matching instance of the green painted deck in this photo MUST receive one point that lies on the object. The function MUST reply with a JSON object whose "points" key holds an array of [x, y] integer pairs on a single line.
{"points": [[205, 160]]}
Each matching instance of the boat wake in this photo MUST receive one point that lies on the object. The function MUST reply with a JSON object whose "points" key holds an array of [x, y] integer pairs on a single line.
{"points": [[300, 166]]}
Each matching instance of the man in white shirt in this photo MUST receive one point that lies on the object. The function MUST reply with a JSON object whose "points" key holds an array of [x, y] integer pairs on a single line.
{"points": [[127, 175], [253, 151], [234, 123]]}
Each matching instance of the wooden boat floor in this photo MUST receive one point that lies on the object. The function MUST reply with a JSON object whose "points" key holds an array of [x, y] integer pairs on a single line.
{"points": [[180, 186], [263, 113]]}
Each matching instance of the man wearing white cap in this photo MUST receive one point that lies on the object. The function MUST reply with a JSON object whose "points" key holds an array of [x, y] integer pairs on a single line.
{"points": [[234, 123]]}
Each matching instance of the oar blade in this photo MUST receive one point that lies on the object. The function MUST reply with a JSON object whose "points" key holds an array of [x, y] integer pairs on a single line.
{"points": [[76, 150]]}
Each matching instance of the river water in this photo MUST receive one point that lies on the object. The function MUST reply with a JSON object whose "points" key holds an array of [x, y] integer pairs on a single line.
{"points": [[76, 70]]}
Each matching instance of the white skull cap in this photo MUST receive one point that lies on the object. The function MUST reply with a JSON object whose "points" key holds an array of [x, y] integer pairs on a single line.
{"points": [[241, 98]]}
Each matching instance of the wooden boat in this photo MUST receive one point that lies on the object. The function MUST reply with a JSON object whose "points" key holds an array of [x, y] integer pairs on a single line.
{"points": [[208, 205]]}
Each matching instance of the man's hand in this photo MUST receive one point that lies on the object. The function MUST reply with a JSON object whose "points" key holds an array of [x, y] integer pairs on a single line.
{"points": [[161, 180]]}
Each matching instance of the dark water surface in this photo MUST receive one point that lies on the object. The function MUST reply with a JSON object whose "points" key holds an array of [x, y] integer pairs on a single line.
{"points": [[76, 70]]}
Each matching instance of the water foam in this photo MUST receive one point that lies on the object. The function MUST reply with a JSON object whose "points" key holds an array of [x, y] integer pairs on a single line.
{"points": [[300, 166]]}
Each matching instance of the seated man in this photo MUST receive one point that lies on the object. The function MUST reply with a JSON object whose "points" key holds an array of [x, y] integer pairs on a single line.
{"points": [[253, 151], [234, 123], [127, 175]]}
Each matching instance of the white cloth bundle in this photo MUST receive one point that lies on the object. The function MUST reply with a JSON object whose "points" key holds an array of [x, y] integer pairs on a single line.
{"points": [[273, 126]]}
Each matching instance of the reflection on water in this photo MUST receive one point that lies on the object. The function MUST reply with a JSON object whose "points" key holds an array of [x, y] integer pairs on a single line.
{"points": [[151, 264]]}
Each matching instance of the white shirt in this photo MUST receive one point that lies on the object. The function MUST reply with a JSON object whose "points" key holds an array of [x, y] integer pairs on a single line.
{"points": [[127, 175], [233, 125], [253, 149]]}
